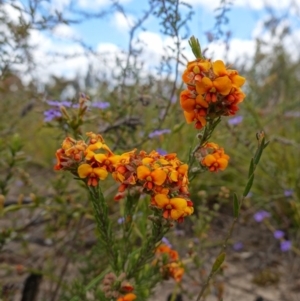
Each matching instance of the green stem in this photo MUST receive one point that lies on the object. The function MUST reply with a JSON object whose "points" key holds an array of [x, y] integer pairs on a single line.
{"points": [[104, 225], [147, 251]]}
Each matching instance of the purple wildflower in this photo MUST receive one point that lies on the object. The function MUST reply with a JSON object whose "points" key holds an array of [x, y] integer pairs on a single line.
{"points": [[278, 234], [161, 151], [238, 246], [121, 220], [285, 245], [100, 105], [259, 216], [288, 192], [235, 120], [51, 114], [166, 242], [159, 133]]}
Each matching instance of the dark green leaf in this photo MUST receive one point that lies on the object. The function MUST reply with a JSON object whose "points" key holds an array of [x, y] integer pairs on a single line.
{"points": [[220, 259], [249, 185], [251, 168]]}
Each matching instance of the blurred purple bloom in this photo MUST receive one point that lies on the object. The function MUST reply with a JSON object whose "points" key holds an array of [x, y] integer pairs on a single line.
{"points": [[235, 120], [121, 220], [288, 192], [166, 242], [196, 240], [238, 246], [285, 245], [51, 114], [19, 183], [161, 151], [174, 99], [278, 234], [100, 105], [295, 114], [159, 133], [259, 216]]}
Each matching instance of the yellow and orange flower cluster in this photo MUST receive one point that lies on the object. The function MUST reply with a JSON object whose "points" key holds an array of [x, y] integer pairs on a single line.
{"points": [[168, 260], [163, 177], [212, 156], [212, 91]]}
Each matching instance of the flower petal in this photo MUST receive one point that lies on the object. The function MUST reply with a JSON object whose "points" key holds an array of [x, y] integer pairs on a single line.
{"points": [[188, 104], [200, 100], [223, 85], [203, 86], [222, 163], [161, 200], [209, 160], [189, 116], [178, 203], [237, 80], [100, 172], [176, 214], [84, 170], [100, 157], [219, 68], [143, 172], [158, 176]]}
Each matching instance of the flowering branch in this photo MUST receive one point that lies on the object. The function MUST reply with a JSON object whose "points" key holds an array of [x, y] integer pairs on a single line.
{"points": [[237, 204]]}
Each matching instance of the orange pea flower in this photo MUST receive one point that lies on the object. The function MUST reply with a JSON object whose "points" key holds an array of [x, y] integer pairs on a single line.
{"points": [[93, 174], [164, 249], [151, 177], [175, 271], [190, 102], [210, 87], [194, 71], [172, 207], [127, 297], [216, 161], [90, 151], [199, 117], [219, 69], [107, 160]]}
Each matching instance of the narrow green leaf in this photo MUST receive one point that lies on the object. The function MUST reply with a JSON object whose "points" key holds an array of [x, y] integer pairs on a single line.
{"points": [[220, 259], [96, 280], [249, 185], [251, 168], [259, 150], [236, 206]]}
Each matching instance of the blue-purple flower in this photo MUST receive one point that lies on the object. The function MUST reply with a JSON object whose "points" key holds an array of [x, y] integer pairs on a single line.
{"points": [[51, 114], [288, 192], [100, 105], [161, 151], [238, 246], [278, 234], [259, 216], [121, 220], [157, 133], [166, 242], [65, 103], [235, 120], [285, 245]]}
